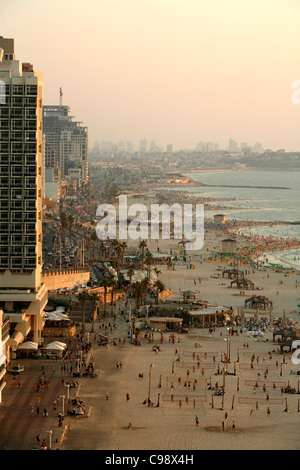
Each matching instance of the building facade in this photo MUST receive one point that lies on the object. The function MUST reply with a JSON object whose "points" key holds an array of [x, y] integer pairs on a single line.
{"points": [[68, 140], [23, 296]]}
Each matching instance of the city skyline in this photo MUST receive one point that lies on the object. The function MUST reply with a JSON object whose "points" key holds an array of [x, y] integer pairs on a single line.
{"points": [[167, 71]]}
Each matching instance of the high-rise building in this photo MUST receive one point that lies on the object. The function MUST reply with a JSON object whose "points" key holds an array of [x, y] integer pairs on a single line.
{"points": [[22, 294], [233, 146], [143, 145], [68, 139], [170, 148], [129, 147]]}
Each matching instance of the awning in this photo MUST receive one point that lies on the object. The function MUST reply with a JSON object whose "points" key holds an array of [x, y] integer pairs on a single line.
{"points": [[56, 345], [29, 345]]}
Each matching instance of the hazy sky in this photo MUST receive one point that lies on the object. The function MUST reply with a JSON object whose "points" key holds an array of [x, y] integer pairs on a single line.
{"points": [[175, 71]]}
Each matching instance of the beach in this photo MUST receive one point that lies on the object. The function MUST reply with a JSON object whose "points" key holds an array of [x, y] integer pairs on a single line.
{"points": [[171, 426]]}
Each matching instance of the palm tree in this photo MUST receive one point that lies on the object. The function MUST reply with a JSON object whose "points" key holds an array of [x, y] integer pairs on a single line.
{"points": [[142, 247], [95, 298], [83, 297], [105, 283], [144, 288], [149, 261], [130, 274], [117, 252], [157, 271], [123, 248], [113, 284], [138, 292], [159, 288]]}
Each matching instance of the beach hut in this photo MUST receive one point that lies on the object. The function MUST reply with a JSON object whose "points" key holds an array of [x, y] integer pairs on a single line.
{"points": [[219, 219], [164, 323], [208, 316], [233, 273], [242, 283], [258, 302], [229, 245], [286, 333], [188, 295]]}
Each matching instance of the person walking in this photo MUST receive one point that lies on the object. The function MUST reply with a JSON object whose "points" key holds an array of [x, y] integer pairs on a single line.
{"points": [[197, 421]]}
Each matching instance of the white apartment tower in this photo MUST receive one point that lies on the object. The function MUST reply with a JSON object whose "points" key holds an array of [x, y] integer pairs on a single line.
{"points": [[22, 295]]}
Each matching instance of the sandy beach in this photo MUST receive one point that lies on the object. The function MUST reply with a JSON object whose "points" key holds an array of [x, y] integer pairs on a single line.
{"points": [[171, 426]]}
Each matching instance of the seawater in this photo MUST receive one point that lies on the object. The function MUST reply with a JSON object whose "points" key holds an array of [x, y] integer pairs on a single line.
{"points": [[259, 196]]}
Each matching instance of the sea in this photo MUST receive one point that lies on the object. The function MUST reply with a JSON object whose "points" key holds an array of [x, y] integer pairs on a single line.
{"points": [[267, 196]]}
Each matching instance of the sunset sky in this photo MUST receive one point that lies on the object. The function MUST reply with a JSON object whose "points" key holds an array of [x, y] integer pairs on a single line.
{"points": [[173, 71]]}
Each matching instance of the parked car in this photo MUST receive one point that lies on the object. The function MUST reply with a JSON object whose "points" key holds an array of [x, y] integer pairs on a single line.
{"points": [[16, 369]]}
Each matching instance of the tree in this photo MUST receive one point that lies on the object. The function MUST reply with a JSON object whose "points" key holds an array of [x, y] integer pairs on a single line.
{"points": [[105, 283], [142, 246], [83, 297], [130, 274], [95, 298], [149, 261], [123, 246], [159, 288], [113, 284], [144, 288], [138, 292]]}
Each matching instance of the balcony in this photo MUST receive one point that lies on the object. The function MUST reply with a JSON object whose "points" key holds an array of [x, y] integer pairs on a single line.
{"points": [[4, 170], [16, 113], [4, 262], [4, 216], [16, 159], [4, 160], [30, 171], [4, 124], [30, 263], [4, 147], [30, 159], [30, 217], [30, 240], [17, 90], [16, 263], [30, 194], [30, 147], [31, 90]]}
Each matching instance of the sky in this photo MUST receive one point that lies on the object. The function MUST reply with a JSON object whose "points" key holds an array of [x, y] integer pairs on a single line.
{"points": [[173, 71]]}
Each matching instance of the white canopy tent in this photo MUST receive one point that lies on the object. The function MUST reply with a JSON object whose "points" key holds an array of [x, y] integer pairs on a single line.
{"points": [[56, 345]]}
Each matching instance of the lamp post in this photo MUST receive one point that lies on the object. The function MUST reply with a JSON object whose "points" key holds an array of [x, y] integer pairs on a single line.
{"points": [[149, 393], [63, 404], [68, 392], [50, 439]]}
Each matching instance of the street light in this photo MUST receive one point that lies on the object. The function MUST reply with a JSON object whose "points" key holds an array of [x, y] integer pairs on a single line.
{"points": [[50, 439], [63, 405], [149, 393], [68, 392]]}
